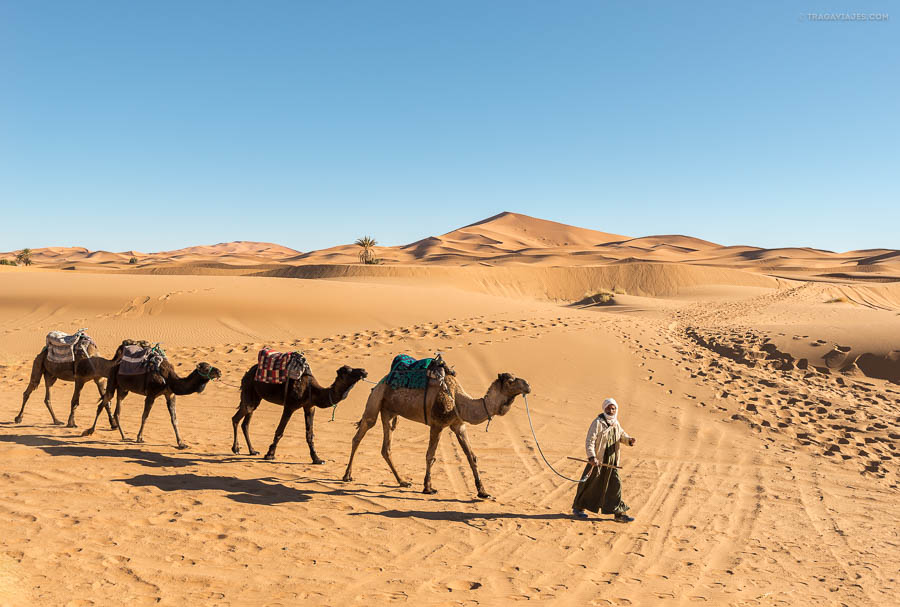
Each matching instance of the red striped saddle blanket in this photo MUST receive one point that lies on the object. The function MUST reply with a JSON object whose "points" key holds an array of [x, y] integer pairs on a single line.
{"points": [[276, 367]]}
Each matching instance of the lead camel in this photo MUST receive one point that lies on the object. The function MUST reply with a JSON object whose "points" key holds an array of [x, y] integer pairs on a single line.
{"points": [[451, 408]]}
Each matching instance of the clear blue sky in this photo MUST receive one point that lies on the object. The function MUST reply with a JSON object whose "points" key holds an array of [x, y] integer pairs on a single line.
{"points": [[156, 125]]}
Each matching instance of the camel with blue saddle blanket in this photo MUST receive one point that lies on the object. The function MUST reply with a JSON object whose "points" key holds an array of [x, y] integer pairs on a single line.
{"points": [[284, 378], [68, 357], [439, 403]]}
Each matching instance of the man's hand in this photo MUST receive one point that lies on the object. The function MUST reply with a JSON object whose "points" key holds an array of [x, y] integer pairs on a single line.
{"points": [[631, 441], [593, 461]]}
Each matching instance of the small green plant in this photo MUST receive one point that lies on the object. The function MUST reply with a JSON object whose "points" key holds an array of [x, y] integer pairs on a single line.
{"points": [[133, 260], [7, 262], [367, 254], [24, 257], [837, 300], [619, 291]]}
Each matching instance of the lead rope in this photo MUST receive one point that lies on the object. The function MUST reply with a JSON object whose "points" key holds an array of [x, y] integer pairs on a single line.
{"points": [[490, 419], [333, 406], [538, 445]]}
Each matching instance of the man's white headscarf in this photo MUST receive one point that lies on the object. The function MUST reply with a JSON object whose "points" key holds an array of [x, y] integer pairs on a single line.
{"points": [[611, 419]]}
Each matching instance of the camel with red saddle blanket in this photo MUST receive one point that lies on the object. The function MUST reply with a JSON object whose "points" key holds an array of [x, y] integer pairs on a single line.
{"points": [[284, 378]]}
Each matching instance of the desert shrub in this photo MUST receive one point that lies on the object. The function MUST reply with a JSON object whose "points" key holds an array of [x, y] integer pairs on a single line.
{"points": [[7, 262], [24, 257], [837, 300], [133, 260]]}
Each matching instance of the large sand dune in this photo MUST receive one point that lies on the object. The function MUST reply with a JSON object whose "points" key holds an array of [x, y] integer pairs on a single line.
{"points": [[762, 394]]}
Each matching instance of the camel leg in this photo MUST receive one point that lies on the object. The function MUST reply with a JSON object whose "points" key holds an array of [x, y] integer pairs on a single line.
{"points": [[48, 382], [31, 387], [373, 406], [463, 439], [170, 403], [246, 413], [120, 396], [76, 396], [104, 402], [245, 428], [100, 388], [148, 404], [387, 426], [279, 431], [309, 417], [433, 441]]}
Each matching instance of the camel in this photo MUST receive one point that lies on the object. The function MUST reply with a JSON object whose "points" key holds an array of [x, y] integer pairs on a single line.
{"points": [[305, 393], [446, 407], [88, 366], [151, 384]]}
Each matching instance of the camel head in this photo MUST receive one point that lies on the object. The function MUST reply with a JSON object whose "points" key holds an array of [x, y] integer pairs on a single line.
{"points": [[508, 387], [346, 378], [207, 372]]}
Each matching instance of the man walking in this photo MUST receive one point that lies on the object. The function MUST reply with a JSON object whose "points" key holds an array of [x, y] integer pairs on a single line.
{"points": [[603, 490]]}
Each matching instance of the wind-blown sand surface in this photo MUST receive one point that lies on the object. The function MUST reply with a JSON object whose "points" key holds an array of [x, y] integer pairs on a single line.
{"points": [[765, 472]]}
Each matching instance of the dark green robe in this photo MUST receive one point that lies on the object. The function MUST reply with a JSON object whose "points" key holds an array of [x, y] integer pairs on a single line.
{"points": [[602, 491]]}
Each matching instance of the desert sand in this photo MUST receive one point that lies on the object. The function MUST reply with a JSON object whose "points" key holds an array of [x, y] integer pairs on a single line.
{"points": [[762, 385]]}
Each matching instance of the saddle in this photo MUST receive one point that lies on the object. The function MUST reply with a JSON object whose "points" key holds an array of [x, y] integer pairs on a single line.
{"points": [[138, 359], [407, 372], [278, 367], [61, 346]]}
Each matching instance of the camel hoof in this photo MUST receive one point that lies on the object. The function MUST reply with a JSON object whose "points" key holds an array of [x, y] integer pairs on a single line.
{"points": [[139, 440], [429, 491], [318, 462], [71, 425], [406, 484], [269, 456], [87, 432], [18, 419], [347, 478], [254, 452], [182, 446], [114, 426], [484, 496], [236, 450], [56, 422]]}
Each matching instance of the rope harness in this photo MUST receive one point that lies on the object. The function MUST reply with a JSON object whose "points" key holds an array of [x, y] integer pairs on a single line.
{"points": [[486, 412], [541, 451]]}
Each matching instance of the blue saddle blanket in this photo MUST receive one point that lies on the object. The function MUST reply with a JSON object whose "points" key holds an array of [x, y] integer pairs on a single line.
{"points": [[407, 372]]}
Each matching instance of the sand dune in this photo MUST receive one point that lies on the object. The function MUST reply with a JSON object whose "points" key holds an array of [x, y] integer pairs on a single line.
{"points": [[763, 394], [503, 240]]}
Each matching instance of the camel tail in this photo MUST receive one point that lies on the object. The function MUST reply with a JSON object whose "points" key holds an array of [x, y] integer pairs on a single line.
{"points": [[247, 390]]}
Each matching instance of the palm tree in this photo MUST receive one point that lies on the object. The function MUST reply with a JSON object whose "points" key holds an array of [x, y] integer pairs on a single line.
{"points": [[24, 257], [367, 255]]}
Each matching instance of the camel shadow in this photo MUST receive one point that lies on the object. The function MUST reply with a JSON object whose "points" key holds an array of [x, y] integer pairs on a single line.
{"points": [[256, 491], [53, 446], [471, 517]]}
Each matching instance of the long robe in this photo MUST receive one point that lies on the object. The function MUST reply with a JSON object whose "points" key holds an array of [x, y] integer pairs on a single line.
{"points": [[602, 491]]}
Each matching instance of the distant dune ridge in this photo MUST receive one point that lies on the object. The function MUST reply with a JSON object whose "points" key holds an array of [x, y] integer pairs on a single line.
{"points": [[502, 240]]}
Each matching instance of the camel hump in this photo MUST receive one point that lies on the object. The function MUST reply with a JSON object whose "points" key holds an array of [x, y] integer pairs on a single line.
{"points": [[138, 359], [61, 347], [277, 367], [407, 372]]}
